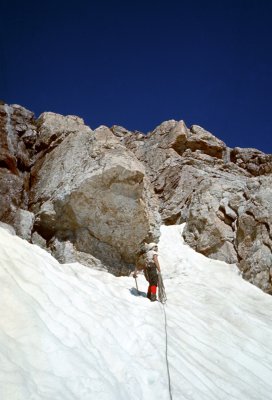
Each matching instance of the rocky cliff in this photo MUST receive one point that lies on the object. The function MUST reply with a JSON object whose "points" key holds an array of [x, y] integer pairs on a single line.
{"points": [[96, 195]]}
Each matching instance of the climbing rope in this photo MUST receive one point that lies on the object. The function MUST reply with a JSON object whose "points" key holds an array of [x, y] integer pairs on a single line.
{"points": [[161, 290], [166, 353], [162, 298]]}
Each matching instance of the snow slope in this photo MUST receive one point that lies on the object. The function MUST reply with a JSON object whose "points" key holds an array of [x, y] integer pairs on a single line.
{"points": [[71, 333]]}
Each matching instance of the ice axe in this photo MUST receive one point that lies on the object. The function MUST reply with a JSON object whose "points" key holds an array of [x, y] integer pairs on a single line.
{"points": [[135, 277]]}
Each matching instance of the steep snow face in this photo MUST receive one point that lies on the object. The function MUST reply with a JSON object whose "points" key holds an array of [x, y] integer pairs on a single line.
{"points": [[71, 333]]}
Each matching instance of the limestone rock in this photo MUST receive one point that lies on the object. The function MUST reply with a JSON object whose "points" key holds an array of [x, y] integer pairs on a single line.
{"points": [[23, 223], [210, 225], [7, 141], [16, 126], [97, 195], [66, 252], [175, 134], [38, 240], [171, 134], [53, 128], [254, 227], [15, 159], [91, 190], [11, 195], [202, 140], [252, 160], [199, 180]]}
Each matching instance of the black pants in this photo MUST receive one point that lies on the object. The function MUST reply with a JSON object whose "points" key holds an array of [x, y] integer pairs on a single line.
{"points": [[151, 275]]}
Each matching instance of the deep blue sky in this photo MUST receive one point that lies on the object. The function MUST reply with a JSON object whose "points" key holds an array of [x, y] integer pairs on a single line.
{"points": [[137, 63]]}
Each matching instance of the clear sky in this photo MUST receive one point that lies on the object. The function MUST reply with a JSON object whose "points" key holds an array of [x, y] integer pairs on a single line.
{"points": [[138, 63]]}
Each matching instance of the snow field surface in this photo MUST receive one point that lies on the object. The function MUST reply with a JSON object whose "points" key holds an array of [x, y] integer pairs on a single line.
{"points": [[68, 332]]}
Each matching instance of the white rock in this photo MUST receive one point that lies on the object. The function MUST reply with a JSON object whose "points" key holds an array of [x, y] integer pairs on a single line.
{"points": [[24, 221]]}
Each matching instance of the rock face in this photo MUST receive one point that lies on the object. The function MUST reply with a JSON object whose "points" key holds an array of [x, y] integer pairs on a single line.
{"points": [[253, 238], [54, 128], [222, 194], [17, 138], [252, 160], [92, 191], [96, 196]]}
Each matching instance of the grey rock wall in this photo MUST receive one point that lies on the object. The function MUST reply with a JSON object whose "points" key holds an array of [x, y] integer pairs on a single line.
{"points": [[222, 194], [95, 196], [92, 191]]}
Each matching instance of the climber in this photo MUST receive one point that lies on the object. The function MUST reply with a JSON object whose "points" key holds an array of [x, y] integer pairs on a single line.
{"points": [[148, 261]]}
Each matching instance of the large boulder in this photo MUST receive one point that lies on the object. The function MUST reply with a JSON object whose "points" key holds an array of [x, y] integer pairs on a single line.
{"points": [[92, 191], [23, 223], [210, 227], [53, 128], [176, 135]]}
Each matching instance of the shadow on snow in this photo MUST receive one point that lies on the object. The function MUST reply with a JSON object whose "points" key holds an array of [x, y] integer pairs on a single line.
{"points": [[136, 292]]}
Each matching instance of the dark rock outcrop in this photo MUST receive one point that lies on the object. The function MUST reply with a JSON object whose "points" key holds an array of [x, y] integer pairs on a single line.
{"points": [[17, 126]]}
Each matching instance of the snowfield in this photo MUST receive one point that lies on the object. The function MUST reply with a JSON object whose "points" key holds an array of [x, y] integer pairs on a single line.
{"points": [[72, 333]]}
